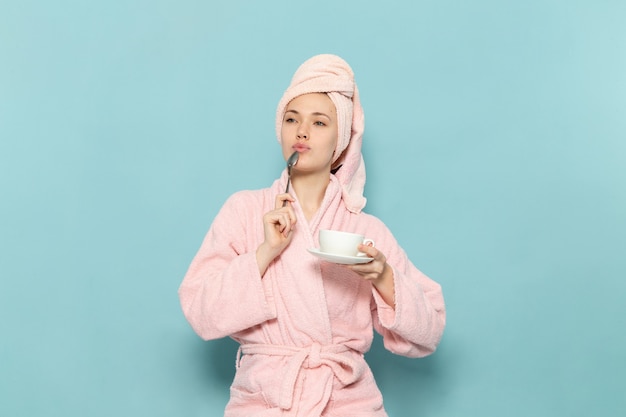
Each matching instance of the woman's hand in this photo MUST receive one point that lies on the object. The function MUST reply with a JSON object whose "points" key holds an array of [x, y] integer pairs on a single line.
{"points": [[378, 272], [278, 226]]}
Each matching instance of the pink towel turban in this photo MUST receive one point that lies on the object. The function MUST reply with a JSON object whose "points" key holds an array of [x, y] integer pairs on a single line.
{"points": [[332, 75]]}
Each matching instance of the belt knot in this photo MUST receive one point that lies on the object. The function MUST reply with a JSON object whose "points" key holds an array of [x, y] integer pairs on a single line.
{"points": [[340, 359], [314, 358]]}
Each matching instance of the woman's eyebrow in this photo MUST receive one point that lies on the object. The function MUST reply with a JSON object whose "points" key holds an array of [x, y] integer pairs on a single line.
{"points": [[317, 113]]}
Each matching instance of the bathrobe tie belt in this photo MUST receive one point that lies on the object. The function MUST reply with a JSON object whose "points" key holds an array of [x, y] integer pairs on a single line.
{"points": [[339, 358]]}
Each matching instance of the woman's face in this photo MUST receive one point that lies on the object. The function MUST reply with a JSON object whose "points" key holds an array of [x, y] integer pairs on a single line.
{"points": [[310, 128]]}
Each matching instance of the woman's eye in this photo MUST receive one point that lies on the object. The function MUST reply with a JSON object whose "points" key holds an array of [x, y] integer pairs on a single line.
{"points": [[318, 123], [289, 120]]}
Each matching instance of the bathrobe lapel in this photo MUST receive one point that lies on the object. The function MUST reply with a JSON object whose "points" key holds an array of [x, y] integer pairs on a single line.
{"points": [[298, 287]]}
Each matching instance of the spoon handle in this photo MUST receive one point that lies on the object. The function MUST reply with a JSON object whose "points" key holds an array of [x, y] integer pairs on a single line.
{"points": [[293, 159], [287, 189]]}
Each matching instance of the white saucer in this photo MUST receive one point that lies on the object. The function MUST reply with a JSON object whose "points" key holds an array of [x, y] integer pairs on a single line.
{"points": [[340, 259]]}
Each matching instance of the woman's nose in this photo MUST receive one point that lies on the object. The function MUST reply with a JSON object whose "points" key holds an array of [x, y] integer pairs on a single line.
{"points": [[302, 133]]}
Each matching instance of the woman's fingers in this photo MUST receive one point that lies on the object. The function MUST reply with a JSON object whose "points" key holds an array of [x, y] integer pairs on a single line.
{"points": [[287, 209], [284, 223], [282, 198], [370, 270], [281, 219], [278, 225]]}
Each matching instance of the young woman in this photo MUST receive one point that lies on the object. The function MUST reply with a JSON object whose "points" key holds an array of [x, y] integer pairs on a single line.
{"points": [[303, 323]]}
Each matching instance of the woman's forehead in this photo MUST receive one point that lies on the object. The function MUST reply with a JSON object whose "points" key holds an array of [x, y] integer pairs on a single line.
{"points": [[311, 101]]}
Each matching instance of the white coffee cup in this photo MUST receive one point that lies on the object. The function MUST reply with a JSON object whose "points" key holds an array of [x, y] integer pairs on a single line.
{"points": [[342, 243]]}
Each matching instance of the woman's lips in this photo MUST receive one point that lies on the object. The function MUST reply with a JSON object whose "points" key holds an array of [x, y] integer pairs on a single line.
{"points": [[300, 148]]}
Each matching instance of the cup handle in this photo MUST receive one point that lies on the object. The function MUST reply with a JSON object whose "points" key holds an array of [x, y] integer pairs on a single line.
{"points": [[368, 242]]}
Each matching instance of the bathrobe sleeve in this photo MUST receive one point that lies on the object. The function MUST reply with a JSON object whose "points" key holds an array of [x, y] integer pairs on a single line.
{"points": [[415, 326], [224, 275]]}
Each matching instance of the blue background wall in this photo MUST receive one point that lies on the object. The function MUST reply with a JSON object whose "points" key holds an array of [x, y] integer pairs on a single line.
{"points": [[496, 149]]}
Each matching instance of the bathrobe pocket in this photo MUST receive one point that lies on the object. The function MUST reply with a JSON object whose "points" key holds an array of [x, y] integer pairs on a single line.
{"points": [[256, 383]]}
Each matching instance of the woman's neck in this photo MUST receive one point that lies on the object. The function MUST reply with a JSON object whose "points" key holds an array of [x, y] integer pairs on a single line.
{"points": [[310, 189]]}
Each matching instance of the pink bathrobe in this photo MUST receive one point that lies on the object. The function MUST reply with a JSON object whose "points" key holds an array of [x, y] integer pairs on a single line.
{"points": [[305, 325]]}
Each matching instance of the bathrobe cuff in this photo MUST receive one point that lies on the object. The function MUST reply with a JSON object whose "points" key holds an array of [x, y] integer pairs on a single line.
{"points": [[268, 291], [414, 327], [386, 313], [260, 305]]}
